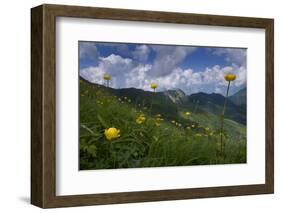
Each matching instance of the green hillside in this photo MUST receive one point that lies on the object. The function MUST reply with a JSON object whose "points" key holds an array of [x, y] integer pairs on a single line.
{"points": [[213, 103], [155, 130], [240, 98]]}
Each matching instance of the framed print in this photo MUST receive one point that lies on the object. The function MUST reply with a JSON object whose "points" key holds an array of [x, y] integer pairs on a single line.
{"points": [[135, 106]]}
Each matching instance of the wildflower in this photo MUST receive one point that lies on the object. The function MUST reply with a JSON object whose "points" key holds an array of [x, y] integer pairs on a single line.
{"points": [[141, 119], [153, 86], [192, 125], [112, 133], [188, 113], [159, 119], [230, 77], [107, 77]]}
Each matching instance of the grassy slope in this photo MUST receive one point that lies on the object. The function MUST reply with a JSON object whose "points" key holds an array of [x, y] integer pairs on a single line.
{"points": [[153, 143]]}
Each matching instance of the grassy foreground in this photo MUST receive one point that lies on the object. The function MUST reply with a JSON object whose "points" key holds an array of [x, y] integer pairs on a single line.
{"points": [[154, 141]]}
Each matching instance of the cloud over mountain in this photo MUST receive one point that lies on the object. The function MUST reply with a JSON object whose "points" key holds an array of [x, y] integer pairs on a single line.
{"points": [[144, 64]]}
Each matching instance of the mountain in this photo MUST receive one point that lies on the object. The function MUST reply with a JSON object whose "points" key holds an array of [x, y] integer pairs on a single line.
{"points": [[240, 97], [176, 96], [205, 98], [172, 102], [213, 103], [161, 101]]}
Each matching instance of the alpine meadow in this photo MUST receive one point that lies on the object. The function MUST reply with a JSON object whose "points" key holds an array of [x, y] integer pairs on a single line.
{"points": [[150, 105]]}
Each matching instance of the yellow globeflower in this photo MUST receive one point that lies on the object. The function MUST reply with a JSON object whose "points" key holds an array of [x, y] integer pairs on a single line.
{"points": [[159, 119], [153, 86], [230, 77], [107, 77], [188, 113], [112, 133], [141, 119]]}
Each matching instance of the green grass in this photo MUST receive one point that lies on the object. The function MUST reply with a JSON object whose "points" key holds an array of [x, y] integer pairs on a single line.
{"points": [[152, 143]]}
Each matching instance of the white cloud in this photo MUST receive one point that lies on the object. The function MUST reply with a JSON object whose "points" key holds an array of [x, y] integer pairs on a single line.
{"points": [[235, 56], [87, 50], [127, 73], [168, 58], [141, 53], [210, 80], [93, 74]]}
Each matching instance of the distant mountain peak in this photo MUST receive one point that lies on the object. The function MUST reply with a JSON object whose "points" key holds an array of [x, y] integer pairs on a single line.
{"points": [[176, 95]]}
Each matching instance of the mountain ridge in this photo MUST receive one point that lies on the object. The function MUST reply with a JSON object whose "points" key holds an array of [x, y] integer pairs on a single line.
{"points": [[171, 102]]}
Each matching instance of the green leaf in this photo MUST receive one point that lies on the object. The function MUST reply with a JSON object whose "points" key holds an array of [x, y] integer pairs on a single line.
{"points": [[103, 123], [92, 150], [86, 128]]}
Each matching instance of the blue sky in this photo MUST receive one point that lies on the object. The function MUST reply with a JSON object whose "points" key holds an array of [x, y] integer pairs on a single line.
{"points": [[189, 68]]}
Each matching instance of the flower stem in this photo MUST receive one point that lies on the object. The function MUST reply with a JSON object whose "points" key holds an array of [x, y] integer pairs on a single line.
{"points": [[222, 118], [152, 97]]}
